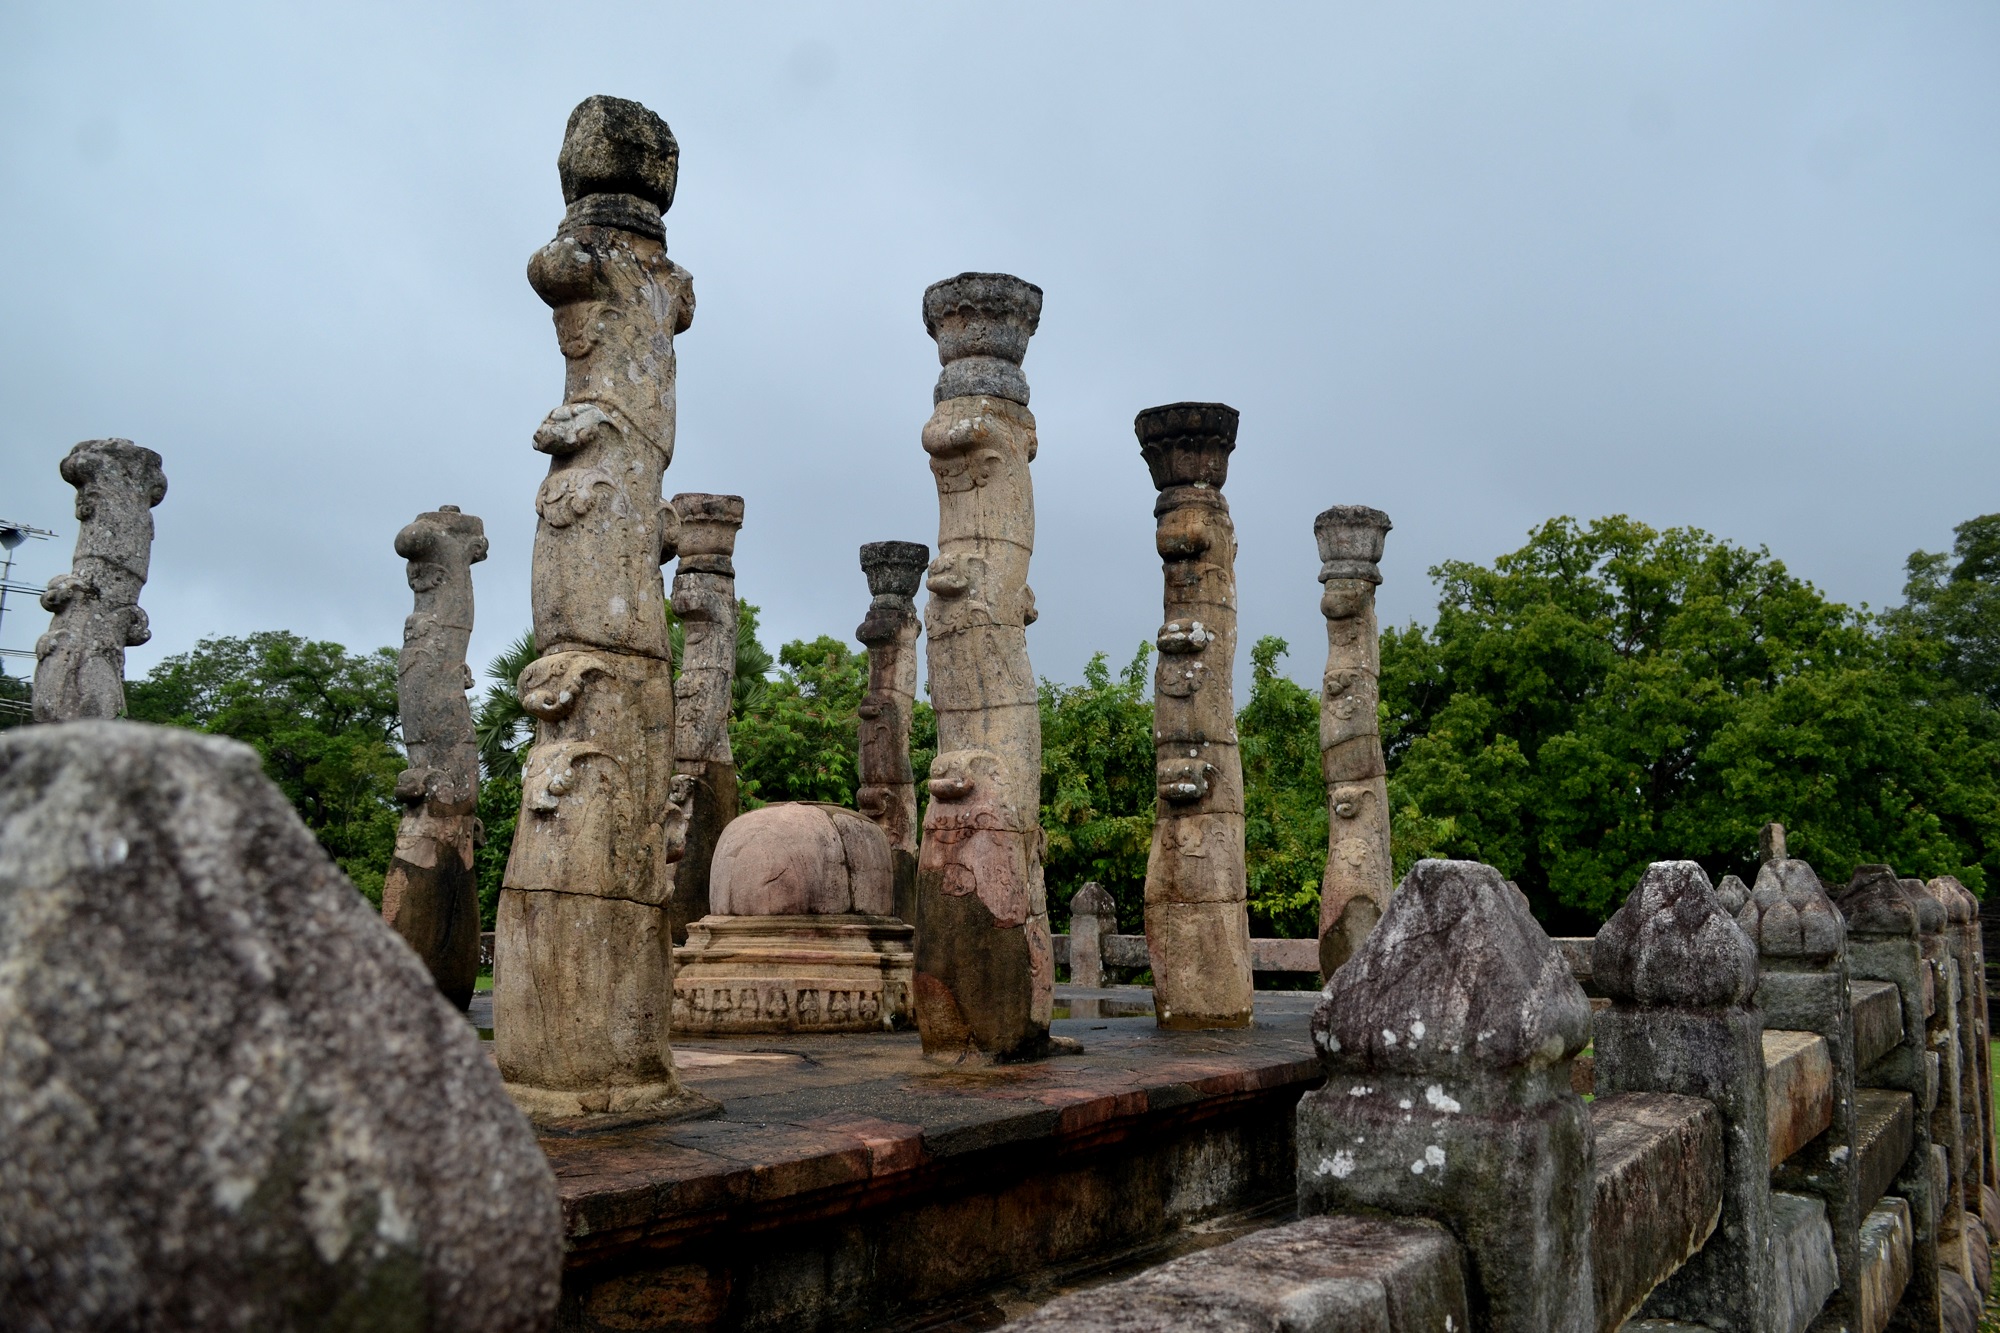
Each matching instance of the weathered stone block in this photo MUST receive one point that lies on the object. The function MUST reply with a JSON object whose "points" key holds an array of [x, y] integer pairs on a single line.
{"points": [[1804, 1271], [1320, 1275], [1659, 1193], [1884, 1265], [1798, 1090], [1878, 1021]]}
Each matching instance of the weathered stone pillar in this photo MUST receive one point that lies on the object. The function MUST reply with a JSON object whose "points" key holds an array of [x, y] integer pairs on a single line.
{"points": [[1448, 1041], [705, 603], [1941, 1038], [583, 984], [1357, 883], [1803, 983], [431, 891], [985, 968], [1680, 974], [1884, 930], [1974, 1055], [1093, 914], [1197, 924], [888, 785], [80, 661]]}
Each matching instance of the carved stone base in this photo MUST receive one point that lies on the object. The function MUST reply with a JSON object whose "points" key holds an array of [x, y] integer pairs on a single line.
{"points": [[841, 973], [565, 1114]]}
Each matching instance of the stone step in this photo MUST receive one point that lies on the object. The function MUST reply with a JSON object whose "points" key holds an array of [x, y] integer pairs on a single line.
{"points": [[1878, 1020], [1659, 1192], [1804, 1270], [1798, 1090]]}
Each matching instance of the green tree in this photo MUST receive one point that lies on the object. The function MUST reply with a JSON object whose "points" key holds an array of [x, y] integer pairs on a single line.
{"points": [[1284, 797], [1098, 785], [1611, 695], [795, 736], [325, 722], [1952, 604], [16, 699]]}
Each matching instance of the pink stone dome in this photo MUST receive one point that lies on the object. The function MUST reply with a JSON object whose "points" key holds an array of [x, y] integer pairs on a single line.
{"points": [[801, 858]]}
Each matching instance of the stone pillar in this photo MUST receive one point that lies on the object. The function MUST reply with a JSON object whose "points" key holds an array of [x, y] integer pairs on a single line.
{"points": [[705, 602], [1680, 974], [80, 662], [1803, 982], [888, 786], [1884, 930], [1941, 1039], [1974, 1053], [1448, 1041], [1357, 883], [985, 968], [583, 985], [431, 891], [1093, 914], [1197, 924]]}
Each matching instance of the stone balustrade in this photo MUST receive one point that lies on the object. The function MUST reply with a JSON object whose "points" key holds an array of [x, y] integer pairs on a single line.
{"points": [[1789, 1126]]}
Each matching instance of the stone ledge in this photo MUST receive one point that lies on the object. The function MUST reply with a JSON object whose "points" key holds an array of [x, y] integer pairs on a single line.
{"points": [[1798, 1090], [1878, 1020], [1322, 1275], [1659, 1193], [1884, 1131]]}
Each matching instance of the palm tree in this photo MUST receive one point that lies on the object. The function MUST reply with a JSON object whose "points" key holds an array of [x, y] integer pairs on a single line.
{"points": [[502, 725]]}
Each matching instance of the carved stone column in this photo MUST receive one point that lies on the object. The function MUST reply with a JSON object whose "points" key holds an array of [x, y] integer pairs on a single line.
{"points": [[985, 982], [1197, 926], [1358, 879], [705, 602], [80, 662], [583, 981], [431, 892], [888, 793]]}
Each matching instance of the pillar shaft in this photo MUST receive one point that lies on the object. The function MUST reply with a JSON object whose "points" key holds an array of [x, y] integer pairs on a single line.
{"points": [[80, 661], [1197, 925], [1355, 889], [705, 603], [583, 984], [985, 979], [888, 785], [431, 891]]}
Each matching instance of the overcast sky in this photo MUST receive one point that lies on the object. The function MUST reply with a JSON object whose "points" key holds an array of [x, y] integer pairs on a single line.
{"points": [[1732, 265]]}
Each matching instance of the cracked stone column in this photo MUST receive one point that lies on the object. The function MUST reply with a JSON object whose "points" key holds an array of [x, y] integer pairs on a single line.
{"points": [[431, 891], [1680, 974], [1355, 889], [705, 602], [1885, 928], [80, 661], [583, 982], [985, 973], [888, 785], [1448, 1042], [1197, 923]]}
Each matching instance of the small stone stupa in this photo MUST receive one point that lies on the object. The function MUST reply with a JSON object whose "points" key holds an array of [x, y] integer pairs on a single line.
{"points": [[799, 936]]}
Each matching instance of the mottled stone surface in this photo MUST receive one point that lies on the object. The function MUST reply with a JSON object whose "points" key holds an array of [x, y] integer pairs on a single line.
{"points": [[1803, 1269], [80, 661], [1680, 974], [985, 966], [430, 894], [1883, 1265], [1798, 1090], [1320, 1275], [1093, 915], [1197, 923], [583, 974], [1878, 1020], [1447, 1040], [887, 792], [704, 601], [1354, 892], [1659, 1193], [234, 1099]]}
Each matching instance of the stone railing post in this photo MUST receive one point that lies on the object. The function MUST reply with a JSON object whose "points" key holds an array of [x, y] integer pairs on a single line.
{"points": [[1358, 879], [582, 993], [1974, 1053], [1942, 1039], [1197, 923], [985, 971], [1680, 974], [80, 661], [1884, 932], [704, 600], [888, 785], [1803, 986], [1448, 1040], [430, 893], [1093, 915]]}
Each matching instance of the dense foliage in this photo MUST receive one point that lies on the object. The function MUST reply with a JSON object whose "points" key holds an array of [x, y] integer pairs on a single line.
{"points": [[1097, 785], [324, 721]]}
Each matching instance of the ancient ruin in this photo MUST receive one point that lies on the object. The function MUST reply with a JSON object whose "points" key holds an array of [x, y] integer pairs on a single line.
{"points": [[704, 600], [80, 661], [802, 935], [985, 970], [1197, 924], [430, 894], [1355, 889], [582, 979], [888, 786]]}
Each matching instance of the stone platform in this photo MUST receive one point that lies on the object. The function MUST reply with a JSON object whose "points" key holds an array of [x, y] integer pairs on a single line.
{"points": [[849, 1185]]}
